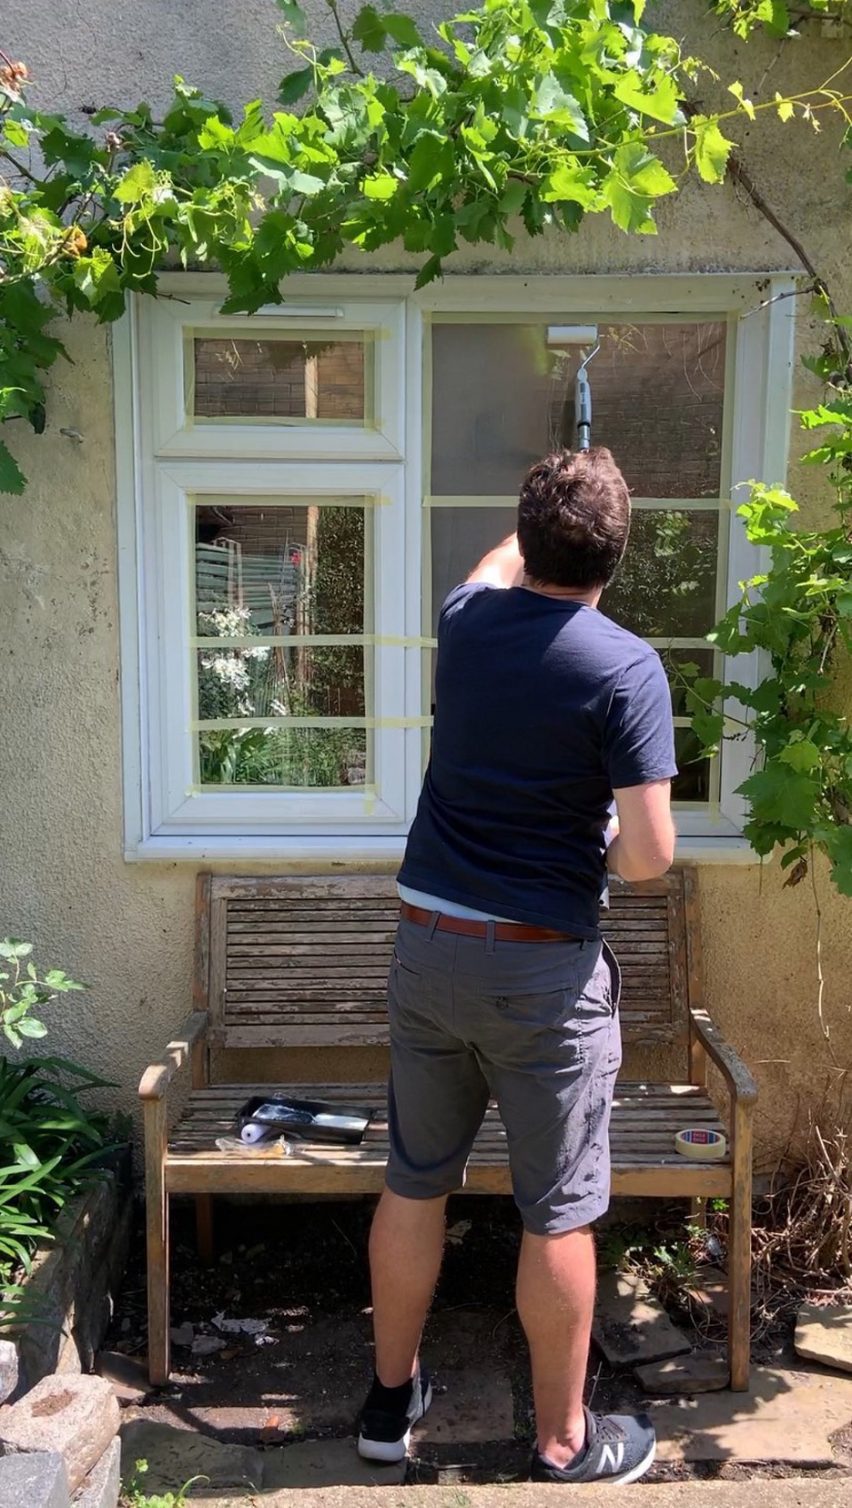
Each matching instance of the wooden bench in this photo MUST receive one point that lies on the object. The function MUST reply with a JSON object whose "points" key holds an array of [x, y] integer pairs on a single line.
{"points": [[303, 961]]}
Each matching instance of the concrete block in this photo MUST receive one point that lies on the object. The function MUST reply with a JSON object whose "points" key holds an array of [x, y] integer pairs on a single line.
{"points": [[76, 1416], [8, 1369], [37, 1480], [102, 1486]]}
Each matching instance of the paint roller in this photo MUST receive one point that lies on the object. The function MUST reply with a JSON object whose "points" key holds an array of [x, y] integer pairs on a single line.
{"points": [[586, 337]]}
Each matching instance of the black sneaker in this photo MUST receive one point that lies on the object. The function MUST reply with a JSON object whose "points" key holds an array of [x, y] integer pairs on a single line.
{"points": [[619, 1449], [389, 1415]]}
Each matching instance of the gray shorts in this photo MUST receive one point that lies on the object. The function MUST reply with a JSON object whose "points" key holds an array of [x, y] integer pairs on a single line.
{"points": [[533, 1025]]}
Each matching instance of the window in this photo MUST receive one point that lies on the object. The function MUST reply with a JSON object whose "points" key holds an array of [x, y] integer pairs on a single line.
{"points": [[304, 487], [503, 395]]}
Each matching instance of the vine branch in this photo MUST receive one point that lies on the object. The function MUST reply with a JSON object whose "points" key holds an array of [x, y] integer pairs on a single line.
{"points": [[739, 173]]}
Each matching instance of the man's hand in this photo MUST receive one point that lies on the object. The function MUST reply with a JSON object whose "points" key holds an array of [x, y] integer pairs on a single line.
{"points": [[644, 847], [502, 566]]}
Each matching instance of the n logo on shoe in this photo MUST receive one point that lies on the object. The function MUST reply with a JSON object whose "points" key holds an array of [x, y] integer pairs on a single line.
{"points": [[612, 1457]]}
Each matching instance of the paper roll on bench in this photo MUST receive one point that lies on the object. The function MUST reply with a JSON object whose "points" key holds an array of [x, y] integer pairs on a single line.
{"points": [[252, 1133], [700, 1145]]}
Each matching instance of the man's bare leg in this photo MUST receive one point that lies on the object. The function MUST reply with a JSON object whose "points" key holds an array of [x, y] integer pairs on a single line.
{"points": [[556, 1295], [406, 1246]]}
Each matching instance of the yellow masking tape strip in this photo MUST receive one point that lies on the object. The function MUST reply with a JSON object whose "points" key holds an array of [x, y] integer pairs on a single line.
{"points": [[367, 791], [319, 641], [281, 724]]}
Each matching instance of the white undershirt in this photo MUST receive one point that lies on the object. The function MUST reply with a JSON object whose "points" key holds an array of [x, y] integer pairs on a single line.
{"points": [[449, 908]]}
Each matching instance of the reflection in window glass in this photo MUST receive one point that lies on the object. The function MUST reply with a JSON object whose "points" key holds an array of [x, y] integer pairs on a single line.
{"points": [[460, 538], [304, 758], [282, 568], [307, 378], [672, 660], [272, 572], [666, 585], [503, 395], [692, 782]]}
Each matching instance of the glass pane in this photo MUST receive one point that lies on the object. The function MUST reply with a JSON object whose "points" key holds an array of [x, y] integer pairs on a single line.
{"points": [[305, 377], [692, 782], [295, 568], [672, 659], [460, 538], [276, 682], [313, 758], [503, 395], [667, 583]]}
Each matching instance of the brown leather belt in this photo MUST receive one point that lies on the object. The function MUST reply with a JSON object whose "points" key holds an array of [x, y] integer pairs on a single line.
{"points": [[465, 926]]}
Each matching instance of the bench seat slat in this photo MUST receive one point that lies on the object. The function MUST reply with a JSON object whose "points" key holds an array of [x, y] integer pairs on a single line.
{"points": [[645, 1118]]}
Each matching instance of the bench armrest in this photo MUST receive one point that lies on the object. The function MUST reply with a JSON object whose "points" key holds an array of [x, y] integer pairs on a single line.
{"points": [[157, 1078], [733, 1070]]}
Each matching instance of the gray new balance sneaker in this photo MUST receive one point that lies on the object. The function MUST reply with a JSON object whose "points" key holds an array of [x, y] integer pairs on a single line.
{"points": [[619, 1449]]}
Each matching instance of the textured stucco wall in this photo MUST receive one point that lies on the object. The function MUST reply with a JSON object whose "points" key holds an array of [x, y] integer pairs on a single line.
{"points": [[126, 929]]}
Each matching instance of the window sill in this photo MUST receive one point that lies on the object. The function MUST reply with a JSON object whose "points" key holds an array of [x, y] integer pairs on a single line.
{"points": [[358, 851], [725, 849]]}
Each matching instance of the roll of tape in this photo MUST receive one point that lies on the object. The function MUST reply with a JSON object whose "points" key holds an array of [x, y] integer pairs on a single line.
{"points": [[700, 1145]]}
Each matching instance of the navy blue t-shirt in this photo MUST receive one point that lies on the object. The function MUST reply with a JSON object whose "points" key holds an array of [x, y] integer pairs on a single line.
{"points": [[542, 708]]}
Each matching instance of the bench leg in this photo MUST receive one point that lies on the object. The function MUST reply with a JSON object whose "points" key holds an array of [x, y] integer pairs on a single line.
{"points": [[204, 1227], [739, 1251], [698, 1213], [157, 1223]]}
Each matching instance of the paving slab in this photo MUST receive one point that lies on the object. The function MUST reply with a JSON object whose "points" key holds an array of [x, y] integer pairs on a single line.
{"points": [[710, 1289], [787, 1416], [630, 1326], [475, 1404], [756, 1494], [127, 1375], [323, 1463], [702, 1372], [176, 1455], [825, 1335]]}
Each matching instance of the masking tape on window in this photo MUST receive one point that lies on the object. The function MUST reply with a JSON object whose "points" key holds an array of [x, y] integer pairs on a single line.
{"points": [[319, 641], [281, 724]]}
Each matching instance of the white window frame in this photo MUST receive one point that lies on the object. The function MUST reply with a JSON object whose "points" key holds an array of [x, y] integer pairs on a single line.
{"points": [[158, 464], [166, 330]]}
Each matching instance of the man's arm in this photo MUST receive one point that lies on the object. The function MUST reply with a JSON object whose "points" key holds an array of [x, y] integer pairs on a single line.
{"points": [[502, 566], [645, 842]]}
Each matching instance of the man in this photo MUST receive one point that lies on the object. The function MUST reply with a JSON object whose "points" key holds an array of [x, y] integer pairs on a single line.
{"points": [[500, 983]]}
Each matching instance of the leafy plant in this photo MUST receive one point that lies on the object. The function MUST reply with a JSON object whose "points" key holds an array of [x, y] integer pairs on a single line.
{"points": [[133, 1495], [52, 1142], [778, 17], [21, 990], [797, 613], [526, 114]]}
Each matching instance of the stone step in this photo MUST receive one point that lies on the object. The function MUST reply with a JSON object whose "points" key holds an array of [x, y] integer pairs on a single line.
{"points": [[765, 1493]]}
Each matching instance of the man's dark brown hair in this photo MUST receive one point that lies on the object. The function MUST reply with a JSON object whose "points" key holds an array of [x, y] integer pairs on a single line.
{"points": [[573, 518]]}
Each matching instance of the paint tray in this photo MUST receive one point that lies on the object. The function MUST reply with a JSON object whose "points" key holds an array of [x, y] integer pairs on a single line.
{"points": [[305, 1120]]}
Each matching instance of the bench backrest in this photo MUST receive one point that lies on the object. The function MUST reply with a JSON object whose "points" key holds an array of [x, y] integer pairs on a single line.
{"points": [[294, 961], [303, 961]]}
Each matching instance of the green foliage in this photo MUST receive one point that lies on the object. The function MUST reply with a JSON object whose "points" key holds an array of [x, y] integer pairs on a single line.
{"points": [[778, 17], [521, 113], [797, 613], [133, 1495], [52, 1143], [21, 990]]}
